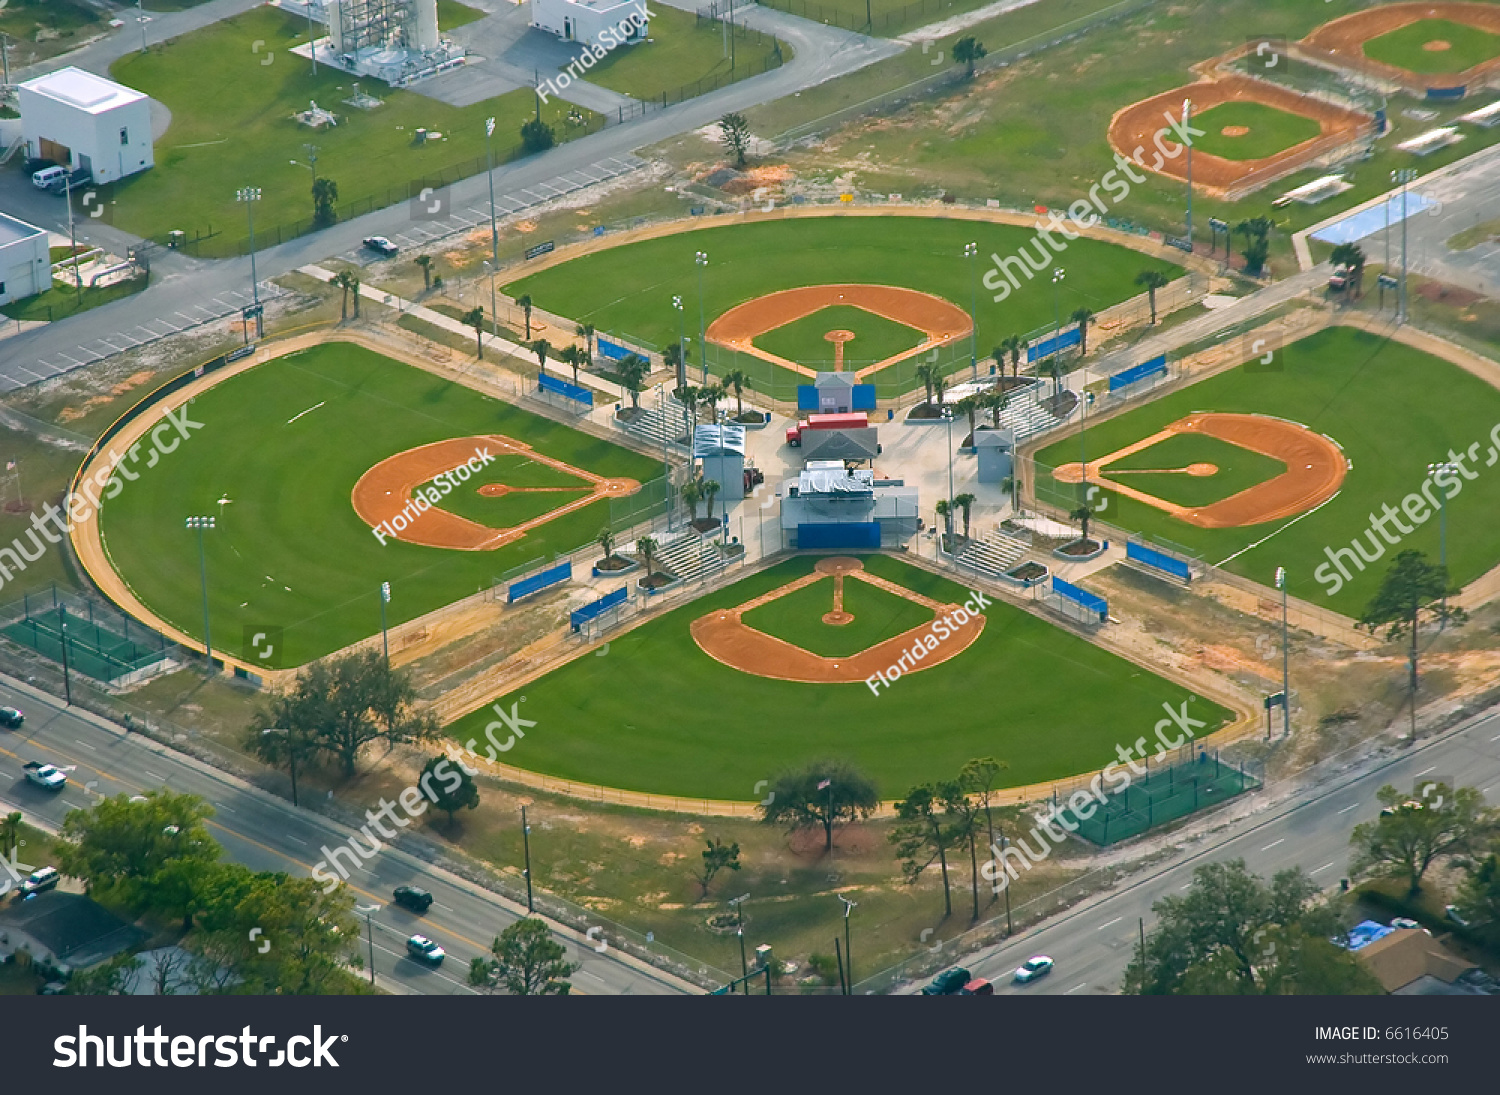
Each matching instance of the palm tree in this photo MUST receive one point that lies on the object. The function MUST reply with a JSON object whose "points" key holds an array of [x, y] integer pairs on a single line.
{"points": [[585, 331], [964, 502], [945, 511], [524, 303], [1083, 515], [969, 406], [571, 355], [939, 386], [928, 373], [606, 540], [425, 262], [672, 358], [10, 832], [711, 394], [996, 401], [689, 396], [1152, 280], [325, 196], [1352, 257], [739, 380], [632, 369], [1083, 317], [1015, 345], [348, 281], [541, 347], [645, 547], [1055, 370], [691, 494], [474, 318], [711, 488]]}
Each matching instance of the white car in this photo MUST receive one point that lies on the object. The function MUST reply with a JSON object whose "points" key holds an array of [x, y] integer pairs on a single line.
{"points": [[1033, 968], [425, 950]]}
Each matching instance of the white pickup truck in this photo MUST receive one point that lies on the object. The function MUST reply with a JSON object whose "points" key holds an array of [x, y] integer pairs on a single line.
{"points": [[44, 775]]}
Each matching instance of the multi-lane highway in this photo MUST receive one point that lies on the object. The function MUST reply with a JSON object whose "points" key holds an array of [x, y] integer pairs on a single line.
{"points": [[268, 834]]}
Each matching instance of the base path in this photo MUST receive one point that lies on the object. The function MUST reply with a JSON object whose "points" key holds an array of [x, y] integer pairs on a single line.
{"points": [[941, 321], [1315, 469], [384, 491], [724, 637]]}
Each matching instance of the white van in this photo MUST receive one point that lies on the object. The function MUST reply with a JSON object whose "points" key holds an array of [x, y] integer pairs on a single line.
{"points": [[46, 176]]}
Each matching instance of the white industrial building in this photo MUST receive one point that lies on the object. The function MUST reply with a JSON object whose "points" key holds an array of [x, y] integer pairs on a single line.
{"points": [[25, 260], [586, 20], [392, 40], [78, 120]]}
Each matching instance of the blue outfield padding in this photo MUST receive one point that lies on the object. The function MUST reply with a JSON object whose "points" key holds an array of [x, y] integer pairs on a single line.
{"points": [[1049, 346], [863, 398], [1136, 373], [597, 608], [549, 383], [612, 350], [807, 397], [1150, 557], [1093, 602], [855, 535], [527, 586], [1446, 93]]}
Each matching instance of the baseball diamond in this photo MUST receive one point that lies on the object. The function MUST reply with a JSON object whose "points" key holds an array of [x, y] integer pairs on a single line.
{"points": [[1411, 43]]}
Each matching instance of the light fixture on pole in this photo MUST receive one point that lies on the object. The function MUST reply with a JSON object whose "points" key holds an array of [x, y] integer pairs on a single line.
{"points": [[385, 638], [1058, 276], [489, 131], [971, 250], [948, 418], [1286, 690], [291, 750], [738, 904], [1451, 470], [250, 195], [201, 523], [701, 258], [681, 345], [849, 907], [1403, 175]]}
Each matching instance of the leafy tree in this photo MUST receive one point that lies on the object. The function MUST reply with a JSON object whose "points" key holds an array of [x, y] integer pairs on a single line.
{"points": [[1152, 280], [1405, 596], [474, 318], [977, 777], [738, 380], [1479, 898], [537, 136], [822, 794], [923, 833], [632, 369], [523, 302], [425, 262], [1083, 317], [325, 196], [967, 818], [541, 347], [465, 796], [116, 977], [1352, 257], [717, 856], [525, 961], [1232, 934], [10, 832], [348, 281], [734, 133], [145, 852], [967, 51], [965, 503], [1413, 833], [341, 704]]}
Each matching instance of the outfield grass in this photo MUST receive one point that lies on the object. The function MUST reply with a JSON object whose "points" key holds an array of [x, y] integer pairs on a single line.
{"points": [[289, 550], [657, 714], [1403, 47], [1239, 469], [680, 52], [1392, 409], [876, 338], [510, 510], [628, 290], [1271, 131], [798, 617], [219, 142]]}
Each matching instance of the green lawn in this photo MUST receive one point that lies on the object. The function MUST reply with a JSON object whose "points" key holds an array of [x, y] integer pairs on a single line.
{"points": [[72, 20], [1271, 131], [220, 142], [61, 301], [290, 551], [681, 52], [627, 290], [885, 18], [657, 714], [876, 338], [798, 617], [1239, 469], [1392, 409], [451, 14], [1468, 46]]}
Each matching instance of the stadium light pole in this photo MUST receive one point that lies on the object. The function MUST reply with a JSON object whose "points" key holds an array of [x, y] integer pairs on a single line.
{"points": [[291, 752], [1058, 276], [385, 638], [201, 523], [250, 195], [1286, 693], [701, 258], [849, 907], [489, 163], [526, 843], [1449, 469], [62, 639], [681, 344], [1187, 113], [970, 251], [948, 418], [1403, 175]]}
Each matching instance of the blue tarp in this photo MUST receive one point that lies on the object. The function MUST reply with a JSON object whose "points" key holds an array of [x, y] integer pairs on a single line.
{"points": [[598, 608], [549, 383], [1140, 553], [1049, 346], [1137, 373], [1090, 601], [527, 586]]}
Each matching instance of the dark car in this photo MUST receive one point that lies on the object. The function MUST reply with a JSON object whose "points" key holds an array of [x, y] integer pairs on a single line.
{"points": [[10, 718], [409, 897], [948, 983], [381, 246], [425, 950]]}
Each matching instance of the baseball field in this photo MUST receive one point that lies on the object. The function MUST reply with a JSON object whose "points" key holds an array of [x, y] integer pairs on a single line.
{"points": [[658, 713], [1389, 409], [628, 290], [276, 462]]}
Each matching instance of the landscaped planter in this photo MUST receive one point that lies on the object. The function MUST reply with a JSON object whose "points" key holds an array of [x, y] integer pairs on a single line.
{"points": [[1076, 556], [911, 418], [627, 566], [758, 424], [1026, 574], [673, 584]]}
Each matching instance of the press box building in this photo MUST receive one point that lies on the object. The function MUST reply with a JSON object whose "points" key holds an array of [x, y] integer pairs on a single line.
{"points": [[79, 120]]}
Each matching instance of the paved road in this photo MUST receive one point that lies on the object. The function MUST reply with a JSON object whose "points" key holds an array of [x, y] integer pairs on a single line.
{"points": [[267, 834], [1093, 943]]}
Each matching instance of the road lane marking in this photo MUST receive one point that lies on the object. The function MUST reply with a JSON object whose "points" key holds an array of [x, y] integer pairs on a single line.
{"points": [[1424, 771], [153, 775], [85, 745], [1111, 924], [1496, 738], [1273, 844], [1352, 806], [440, 905], [1324, 867], [298, 839], [221, 806], [1075, 988]]}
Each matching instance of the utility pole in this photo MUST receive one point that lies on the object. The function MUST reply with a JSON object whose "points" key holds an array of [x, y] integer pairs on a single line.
{"points": [[701, 259], [5, 56], [72, 238], [62, 638], [849, 907], [970, 251], [526, 843], [489, 131], [1432, 469], [1286, 691], [385, 638], [1187, 113]]}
